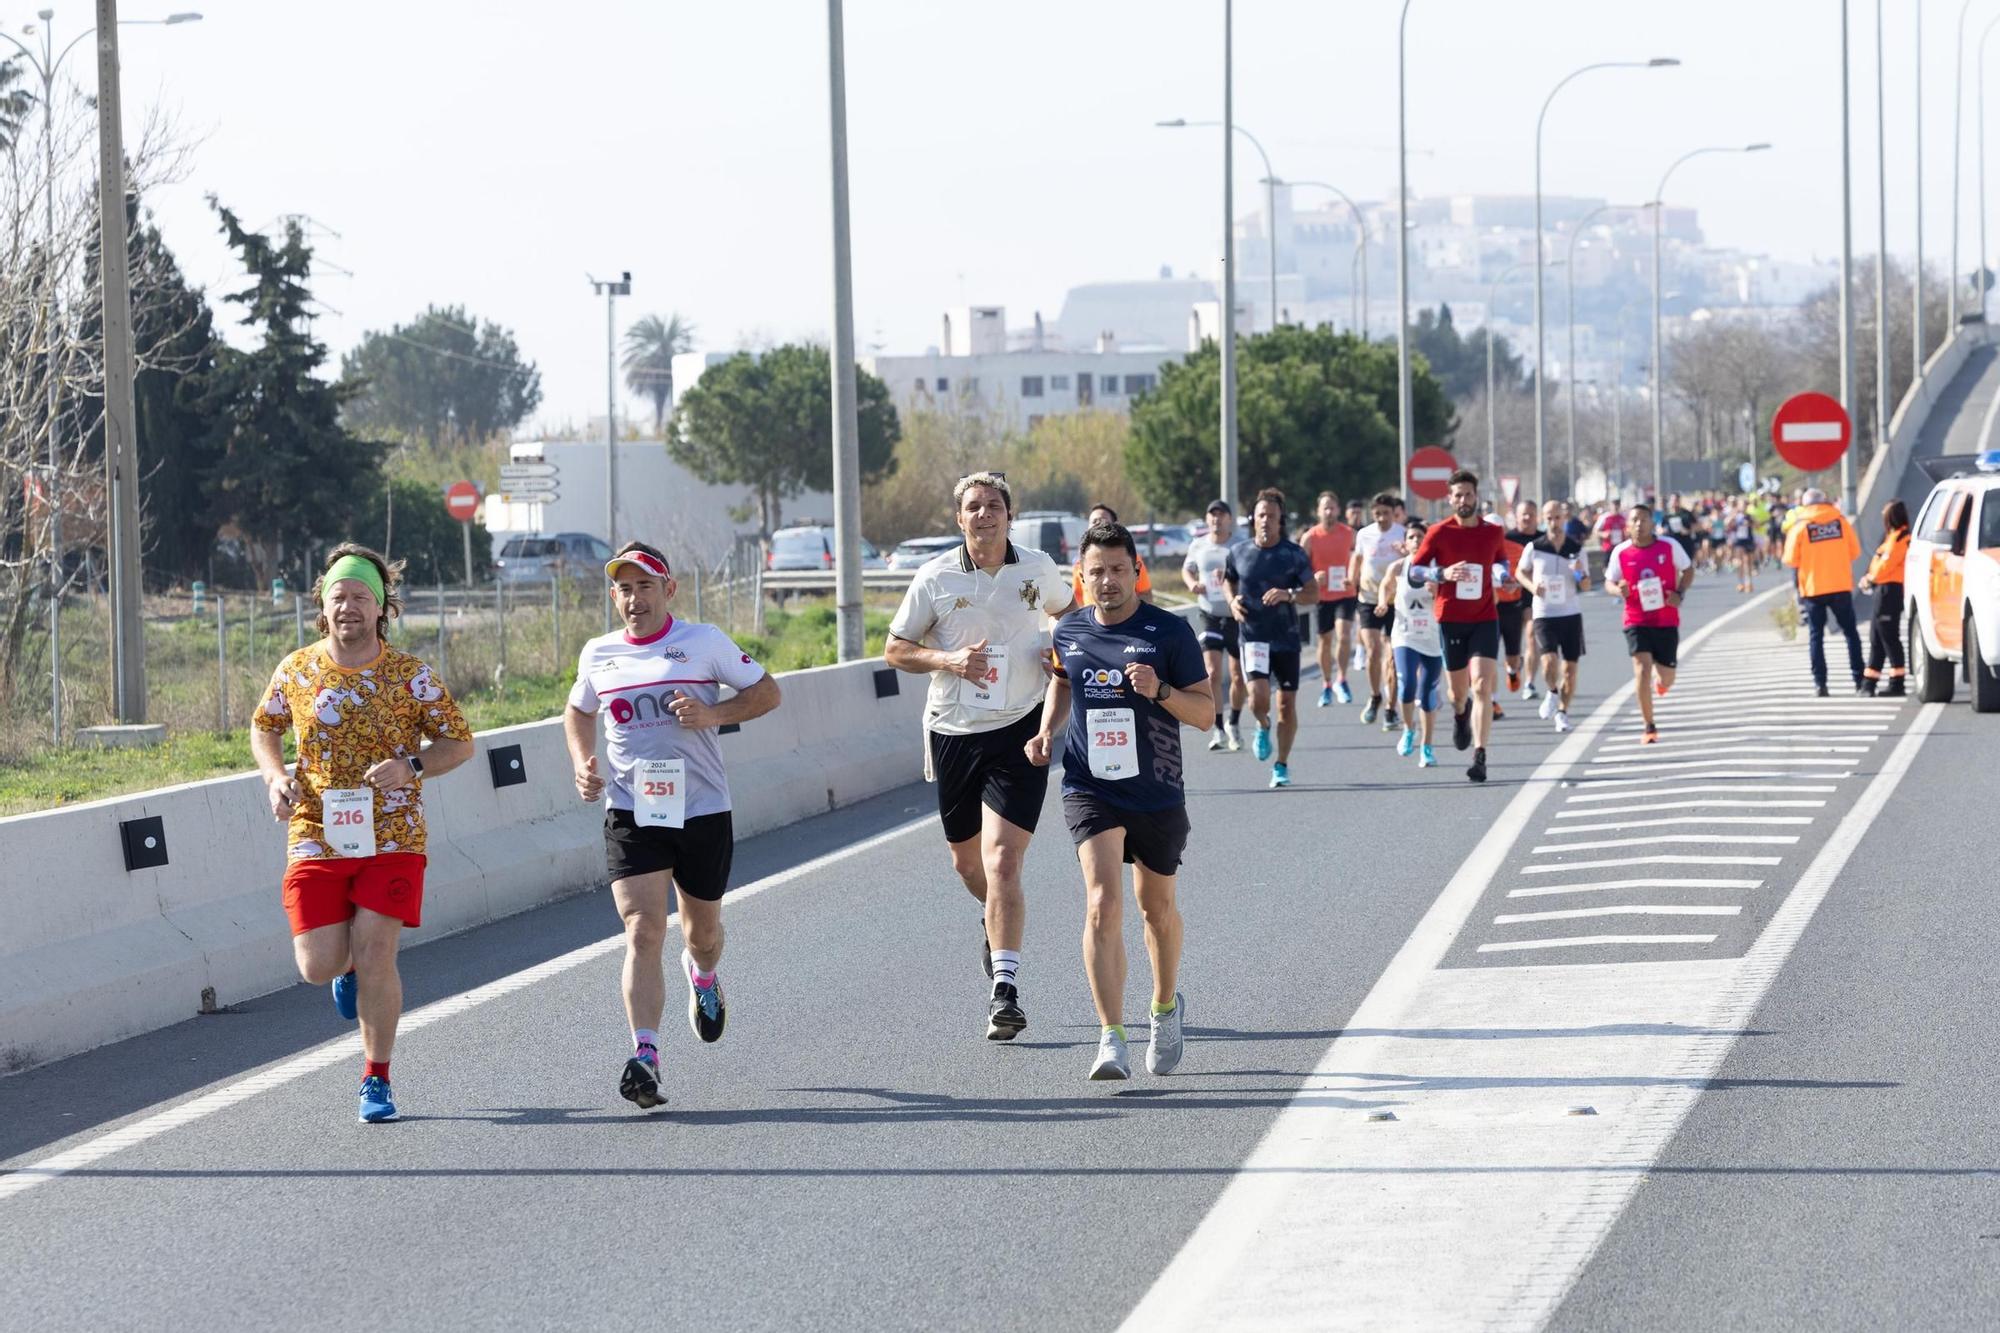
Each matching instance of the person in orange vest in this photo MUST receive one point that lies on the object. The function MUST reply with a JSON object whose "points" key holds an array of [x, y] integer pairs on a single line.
{"points": [[1821, 548], [1081, 596], [1885, 577]]}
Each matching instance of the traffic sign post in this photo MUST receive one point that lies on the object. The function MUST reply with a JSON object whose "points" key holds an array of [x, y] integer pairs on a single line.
{"points": [[461, 501], [1811, 431], [1430, 473], [512, 475]]}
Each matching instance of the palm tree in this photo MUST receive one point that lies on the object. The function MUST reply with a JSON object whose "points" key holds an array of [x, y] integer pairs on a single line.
{"points": [[15, 102], [650, 346]]}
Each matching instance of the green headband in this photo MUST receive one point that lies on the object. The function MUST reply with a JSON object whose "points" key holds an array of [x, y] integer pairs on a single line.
{"points": [[355, 567]]}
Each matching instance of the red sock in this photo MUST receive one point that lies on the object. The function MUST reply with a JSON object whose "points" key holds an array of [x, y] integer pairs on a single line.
{"points": [[375, 1069]]}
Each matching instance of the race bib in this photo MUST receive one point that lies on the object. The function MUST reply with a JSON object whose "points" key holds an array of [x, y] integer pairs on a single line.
{"points": [[1113, 756], [1555, 590], [1471, 588], [659, 793], [1419, 622], [989, 693], [1336, 578], [1218, 585], [1256, 659], [348, 816], [1652, 593]]}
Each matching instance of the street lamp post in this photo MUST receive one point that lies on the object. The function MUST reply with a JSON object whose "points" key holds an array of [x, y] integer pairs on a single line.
{"points": [[1404, 428], [1884, 400], [1658, 62], [1361, 244], [46, 64], [1270, 183], [1979, 93], [611, 289], [1659, 207], [1957, 127], [846, 410], [1917, 279]]}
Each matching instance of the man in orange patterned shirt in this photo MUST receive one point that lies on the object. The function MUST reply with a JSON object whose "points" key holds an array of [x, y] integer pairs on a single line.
{"points": [[362, 711]]}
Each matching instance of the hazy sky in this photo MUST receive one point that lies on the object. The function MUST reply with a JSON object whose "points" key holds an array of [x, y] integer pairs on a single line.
{"points": [[490, 154]]}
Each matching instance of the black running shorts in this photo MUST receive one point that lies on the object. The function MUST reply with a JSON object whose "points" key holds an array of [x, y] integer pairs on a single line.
{"points": [[1465, 640], [1561, 635], [988, 769], [1218, 633], [1328, 614], [1284, 672], [1663, 642], [1154, 839], [1512, 617], [699, 855], [1381, 624]]}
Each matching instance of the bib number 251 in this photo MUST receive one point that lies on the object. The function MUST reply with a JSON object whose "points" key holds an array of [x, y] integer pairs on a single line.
{"points": [[660, 793]]}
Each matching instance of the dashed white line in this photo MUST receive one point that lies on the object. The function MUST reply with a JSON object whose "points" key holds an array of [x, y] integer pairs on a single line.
{"points": [[1586, 941], [1607, 885], [1665, 839], [1649, 909], [1686, 788], [1645, 754], [1674, 859], [1705, 821]]}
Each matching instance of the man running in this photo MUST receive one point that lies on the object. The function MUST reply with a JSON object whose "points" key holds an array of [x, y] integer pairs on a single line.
{"points": [[1652, 574], [976, 620], [1079, 593], [1548, 569], [1207, 563], [361, 711], [1329, 544], [1419, 652], [1459, 556], [1375, 549], [1512, 606], [1269, 579], [1127, 678], [667, 817]]}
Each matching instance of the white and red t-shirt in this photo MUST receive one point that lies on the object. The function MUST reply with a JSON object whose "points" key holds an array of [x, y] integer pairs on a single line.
{"points": [[1661, 559], [632, 682]]}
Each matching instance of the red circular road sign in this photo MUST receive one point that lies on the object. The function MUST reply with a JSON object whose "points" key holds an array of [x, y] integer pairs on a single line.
{"points": [[461, 499], [1430, 472], [1811, 431]]}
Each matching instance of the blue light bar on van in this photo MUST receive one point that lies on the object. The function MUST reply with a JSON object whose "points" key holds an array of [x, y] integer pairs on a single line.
{"points": [[1988, 461]]}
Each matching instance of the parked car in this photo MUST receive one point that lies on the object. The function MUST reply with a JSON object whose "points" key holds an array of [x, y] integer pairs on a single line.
{"points": [[1163, 542], [1951, 577], [915, 551], [530, 558], [810, 546], [1058, 534]]}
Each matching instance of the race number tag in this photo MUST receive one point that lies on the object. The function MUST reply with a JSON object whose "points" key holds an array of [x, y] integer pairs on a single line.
{"points": [[348, 816], [1256, 659], [1471, 587], [660, 793], [988, 693], [1218, 584], [1652, 594], [1113, 756], [1419, 621], [1336, 578], [1555, 590]]}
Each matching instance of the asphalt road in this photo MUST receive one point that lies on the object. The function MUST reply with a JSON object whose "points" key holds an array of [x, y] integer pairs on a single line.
{"points": [[854, 1154]]}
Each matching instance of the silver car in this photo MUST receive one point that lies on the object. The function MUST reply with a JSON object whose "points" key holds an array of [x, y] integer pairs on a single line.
{"points": [[810, 547], [917, 550]]}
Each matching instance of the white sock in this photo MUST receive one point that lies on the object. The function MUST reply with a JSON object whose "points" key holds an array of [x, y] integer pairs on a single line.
{"points": [[1006, 963]]}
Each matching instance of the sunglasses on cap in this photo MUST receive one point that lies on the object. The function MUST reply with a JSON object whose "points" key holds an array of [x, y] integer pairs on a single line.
{"points": [[644, 561]]}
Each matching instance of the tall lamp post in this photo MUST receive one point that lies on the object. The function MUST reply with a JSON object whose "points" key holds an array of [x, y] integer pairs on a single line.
{"points": [[611, 289], [1957, 127], [1658, 62], [1270, 182], [848, 625], [1404, 428], [1361, 245], [1884, 401], [1659, 207]]}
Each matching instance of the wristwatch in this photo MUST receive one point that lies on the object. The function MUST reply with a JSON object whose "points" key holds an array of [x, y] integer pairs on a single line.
{"points": [[1160, 695], [416, 765]]}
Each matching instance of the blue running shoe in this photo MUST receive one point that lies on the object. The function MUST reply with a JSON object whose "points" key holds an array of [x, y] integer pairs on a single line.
{"points": [[345, 991], [1261, 747], [1326, 698], [1342, 693], [377, 1102], [1408, 744], [1280, 776], [1426, 759], [707, 1011]]}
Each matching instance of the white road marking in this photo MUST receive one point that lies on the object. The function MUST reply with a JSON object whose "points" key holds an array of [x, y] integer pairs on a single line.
{"points": [[1662, 839], [1705, 821], [1649, 909], [18, 1180], [1721, 771], [1645, 753], [1673, 859], [1680, 787], [1685, 736], [1582, 941], [1602, 765], [1604, 885]]}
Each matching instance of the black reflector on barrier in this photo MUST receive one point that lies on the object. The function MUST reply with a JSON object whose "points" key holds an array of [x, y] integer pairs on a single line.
{"points": [[509, 770], [145, 842], [886, 684]]}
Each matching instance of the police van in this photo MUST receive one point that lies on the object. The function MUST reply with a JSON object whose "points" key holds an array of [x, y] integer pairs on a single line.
{"points": [[1951, 578]]}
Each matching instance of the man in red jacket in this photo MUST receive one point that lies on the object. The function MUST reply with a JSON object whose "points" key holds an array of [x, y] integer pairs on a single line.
{"points": [[1464, 557]]}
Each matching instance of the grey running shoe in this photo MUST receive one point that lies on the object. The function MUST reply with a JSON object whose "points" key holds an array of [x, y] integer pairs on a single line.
{"points": [[1113, 1063], [1163, 1052]]}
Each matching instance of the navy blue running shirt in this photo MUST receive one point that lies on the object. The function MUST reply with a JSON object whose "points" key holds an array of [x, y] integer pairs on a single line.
{"points": [[1094, 658], [1252, 570]]}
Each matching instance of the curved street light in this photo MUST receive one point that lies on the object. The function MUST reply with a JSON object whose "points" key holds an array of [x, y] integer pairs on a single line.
{"points": [[1360, 245], [1270, 194]]}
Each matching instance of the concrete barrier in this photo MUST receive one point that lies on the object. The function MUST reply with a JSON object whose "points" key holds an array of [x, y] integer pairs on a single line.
{"points": [[1884, 476], [91, 952]]}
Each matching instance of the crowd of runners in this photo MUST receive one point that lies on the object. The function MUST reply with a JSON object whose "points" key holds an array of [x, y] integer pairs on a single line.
{"points": [[1404, 615]]}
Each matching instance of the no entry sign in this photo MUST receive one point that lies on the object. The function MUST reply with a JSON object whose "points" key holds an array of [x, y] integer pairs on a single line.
{"points": [[1811, 431], [1430, 473], [461, 500]]}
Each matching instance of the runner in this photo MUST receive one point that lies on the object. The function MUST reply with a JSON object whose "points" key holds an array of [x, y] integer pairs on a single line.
{"points": [[1739, 529], [1885, 580], [1548, 569], [976, 620], [1127, 678], [1329, 544], [1652, 574], [354, 806], [1512, 605], [667, 823], [1463, 552], [1207, 560], [1079, 595], [1375, 548], [1269, 579], [1418, 649]]}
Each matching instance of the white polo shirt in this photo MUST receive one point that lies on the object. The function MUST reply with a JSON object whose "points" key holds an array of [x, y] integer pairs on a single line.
{"points": [[953, 604]]}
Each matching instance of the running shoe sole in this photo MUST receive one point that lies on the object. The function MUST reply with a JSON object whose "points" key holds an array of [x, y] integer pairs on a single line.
{"points": [[640, 1085], [1006, 1024]]}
